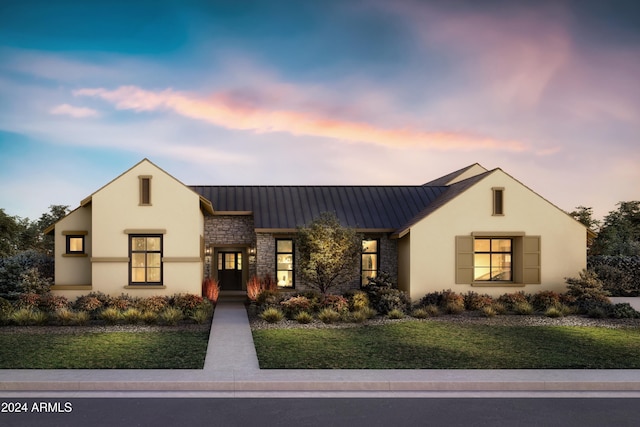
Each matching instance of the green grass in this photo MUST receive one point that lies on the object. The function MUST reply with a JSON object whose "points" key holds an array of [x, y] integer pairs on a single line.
{"points": [[113, 350], [441, 345]]}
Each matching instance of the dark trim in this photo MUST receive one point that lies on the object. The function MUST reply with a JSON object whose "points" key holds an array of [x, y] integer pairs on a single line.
{"points": [[490, 252], [68, 244], [293, 261], [131, 252], [377, 253]]}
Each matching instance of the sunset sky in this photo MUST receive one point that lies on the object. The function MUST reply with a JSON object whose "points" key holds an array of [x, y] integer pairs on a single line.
{"points": [[319, 92]]}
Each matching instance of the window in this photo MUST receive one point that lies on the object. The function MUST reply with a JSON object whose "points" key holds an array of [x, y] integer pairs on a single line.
{"points": [[145, 255], [370, 257], [284, 263], [145, 190], [75, 244], [493, 260], [498, 201]]}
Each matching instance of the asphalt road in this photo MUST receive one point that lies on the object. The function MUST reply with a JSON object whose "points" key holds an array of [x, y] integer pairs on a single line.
{"points": [[325, 412]]}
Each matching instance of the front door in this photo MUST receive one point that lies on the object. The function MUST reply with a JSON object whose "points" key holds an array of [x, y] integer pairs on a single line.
{"points": [[230, 271]]}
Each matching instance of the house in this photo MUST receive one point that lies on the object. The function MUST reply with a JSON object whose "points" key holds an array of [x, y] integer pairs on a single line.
{"points": [[475, 229]]}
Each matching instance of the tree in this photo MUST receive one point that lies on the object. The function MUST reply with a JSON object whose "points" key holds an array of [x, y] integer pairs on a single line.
{"points": [[9, 231], [585, 216], [328, 253], [620, 232]]}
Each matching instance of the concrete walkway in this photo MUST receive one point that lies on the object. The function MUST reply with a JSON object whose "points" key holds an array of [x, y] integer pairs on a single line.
{"points": [[231, 370]]}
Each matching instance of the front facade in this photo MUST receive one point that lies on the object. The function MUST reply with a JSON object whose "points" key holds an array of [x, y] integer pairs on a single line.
{"points": [[146, 233]]}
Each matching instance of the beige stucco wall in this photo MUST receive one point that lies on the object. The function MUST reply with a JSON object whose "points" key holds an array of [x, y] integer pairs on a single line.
{"points": [[73, 270], [174, 212], [432, 243]]}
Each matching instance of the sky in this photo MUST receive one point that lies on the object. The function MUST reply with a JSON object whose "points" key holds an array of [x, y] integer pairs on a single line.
{"points": [[359, 92]]}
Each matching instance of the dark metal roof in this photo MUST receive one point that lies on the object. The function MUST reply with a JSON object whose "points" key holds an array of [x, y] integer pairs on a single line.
{"points": [[287, 207]]}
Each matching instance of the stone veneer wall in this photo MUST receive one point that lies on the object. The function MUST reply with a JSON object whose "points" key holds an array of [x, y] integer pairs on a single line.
{"points": [[230, 230]]}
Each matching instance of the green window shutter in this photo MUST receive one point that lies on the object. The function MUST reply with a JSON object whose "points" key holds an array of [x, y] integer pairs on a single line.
{"points": [[464, 260], [531, 260]]}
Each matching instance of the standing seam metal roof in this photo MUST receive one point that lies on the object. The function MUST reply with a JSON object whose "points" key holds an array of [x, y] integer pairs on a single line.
{"points": [[287, 207]]}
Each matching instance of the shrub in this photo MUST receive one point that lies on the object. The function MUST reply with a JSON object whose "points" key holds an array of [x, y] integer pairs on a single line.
{"points": [[171, 315], [335, 302], [358, 316], [132, 315], [268, 298], [6, 308], [432, 310], [154, 304], [33, 281], [543, 300], [553, 312], [200, 316], [295, 305], [474, 301], [488, 311], [150, 317], [65, 316], [623, 311], [512, 299], [386, 299], [110, 315], [523, 308], [29, 301], [304, 317], [454, 308], [122, 302], [187, 303], [420, 313], [13, 269], [395, 314], [52, 303], [211, 289], [28, 317], [87, 303], [81, 318], [268, 284], [432, 298], [499, 308], [587, 287], [368, 312], [254, 287], [357, 300], [597, 313], [328, 315], [620, 275], [272, 315]]}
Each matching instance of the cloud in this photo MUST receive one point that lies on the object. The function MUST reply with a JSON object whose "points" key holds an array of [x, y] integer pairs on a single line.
{"points": [[225, 110], [75, 112]]}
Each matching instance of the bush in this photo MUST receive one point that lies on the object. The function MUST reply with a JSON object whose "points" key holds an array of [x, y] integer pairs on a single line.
{"points": [[154, 304], [383, 300], [544, 300], [29, 301], [211, 289], [87, 303], [32, 281], [272, 315], [420, 313], [454, 308], [110, 315], [122, 302], [474, 301], [523, 308], [488, 311], [304, 317], [171, 315], [335, 302], [587, 287], [328, 315], [28, 317], [268, 298], [81, 318], [499, 308], [395, 314], [512, 299], [358, 316], [6, 308], [294, 305], [597, 313], [187, 303], [15, 273], [132, 315], [623, 311], [254, 287], [64, 316], [553, 312], [52, 303], [200, 316], [358, 300], [620, 275], [150, 317]]}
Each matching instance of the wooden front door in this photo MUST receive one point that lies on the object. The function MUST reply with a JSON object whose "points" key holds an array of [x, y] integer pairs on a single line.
{"points": [[230, 271]]}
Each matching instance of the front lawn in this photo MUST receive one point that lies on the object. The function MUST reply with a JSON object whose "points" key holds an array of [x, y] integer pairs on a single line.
{"points": [[448, 345], [112, 350]]}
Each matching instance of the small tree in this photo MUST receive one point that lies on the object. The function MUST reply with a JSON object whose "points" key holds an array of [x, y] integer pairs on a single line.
{"points": [[328, 253]]}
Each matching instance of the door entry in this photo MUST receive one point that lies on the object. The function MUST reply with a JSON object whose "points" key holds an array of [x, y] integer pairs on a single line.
{"points": [[230, 271]]}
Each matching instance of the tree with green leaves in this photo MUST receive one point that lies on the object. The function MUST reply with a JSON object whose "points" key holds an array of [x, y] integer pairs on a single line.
{"points": [[585, 216], [620, 232], [328, 253]]}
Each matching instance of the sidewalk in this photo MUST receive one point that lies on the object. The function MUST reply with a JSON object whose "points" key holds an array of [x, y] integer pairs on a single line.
{"points": [[231, 370]]}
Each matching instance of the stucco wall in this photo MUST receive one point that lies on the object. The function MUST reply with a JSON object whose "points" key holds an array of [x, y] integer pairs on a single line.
{"points": [[174, 209], [432, 242], [73, 270]]}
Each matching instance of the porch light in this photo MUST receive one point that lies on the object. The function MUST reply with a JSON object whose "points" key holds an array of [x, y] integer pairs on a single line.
{"points": [[207, 251]]}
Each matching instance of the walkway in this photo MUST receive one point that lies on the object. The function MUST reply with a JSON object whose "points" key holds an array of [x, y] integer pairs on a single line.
{"points": [[231, 370]]}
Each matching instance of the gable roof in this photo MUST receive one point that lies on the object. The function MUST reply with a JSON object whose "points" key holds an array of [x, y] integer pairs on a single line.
{"points": [[382, 208]]}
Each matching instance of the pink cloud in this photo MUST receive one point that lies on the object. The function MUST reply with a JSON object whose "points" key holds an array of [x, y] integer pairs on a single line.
{"points": [[226, 110], [75, 112]]}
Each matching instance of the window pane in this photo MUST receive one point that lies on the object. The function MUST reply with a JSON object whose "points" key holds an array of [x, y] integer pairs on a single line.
{"points": [[482, 260], [285, 262], [137, 274], [369, 246], [229, 262], [482, 273], [284, 246], [285, 278], [138, 260], [76, 244], [239, 265], [369, 262], [482, 245], [501, 245], [153, 275], [153, 243], [139, 244], [366, 275], [153, 260]]}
